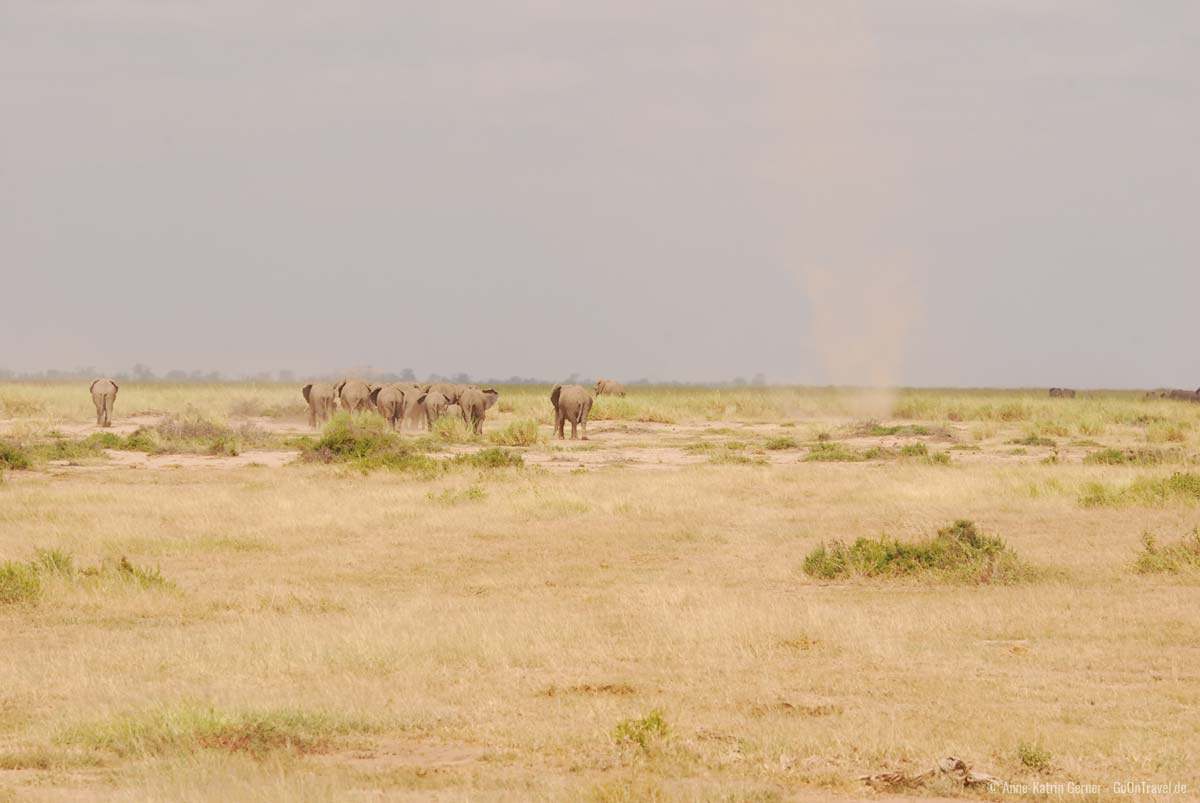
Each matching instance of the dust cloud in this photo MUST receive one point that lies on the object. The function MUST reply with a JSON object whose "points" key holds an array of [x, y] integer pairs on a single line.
{"points": [[841, 182]]}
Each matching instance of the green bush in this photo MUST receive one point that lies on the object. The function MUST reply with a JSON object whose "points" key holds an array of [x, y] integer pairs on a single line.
{"points": [[958, 553], [1182, 555], [824, 452], [522, 432], [642, 732], [1033, 756], [19, 583], [13, 457]]}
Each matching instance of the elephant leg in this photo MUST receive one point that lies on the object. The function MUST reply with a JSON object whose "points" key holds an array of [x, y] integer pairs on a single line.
{"points": [[574, 428], [108, 406], [559, 420], [583, 426], [99, 411]]}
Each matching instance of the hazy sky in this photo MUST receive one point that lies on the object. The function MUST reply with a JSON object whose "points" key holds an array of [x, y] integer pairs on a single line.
{"points": [[934, 193]]}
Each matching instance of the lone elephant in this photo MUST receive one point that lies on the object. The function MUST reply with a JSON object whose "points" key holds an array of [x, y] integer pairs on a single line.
{"points": [[571, 403], [474, 404], [322, 401], [607, 387], [104, 394], [1062, 393], [355, 394]]}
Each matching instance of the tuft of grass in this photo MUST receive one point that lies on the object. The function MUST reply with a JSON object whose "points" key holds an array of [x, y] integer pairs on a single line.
{"points": [[522, 432], [1033, 440], [20, 583], [189, 728], [452, 429], [824, 452], [141, 575], [914, 450], [644, 731], [1033, 756], [958, 553], [492, 457], [1148, 491], [1181, 555], [732, 458], [13, 457], [779, 444], [454, 496]]}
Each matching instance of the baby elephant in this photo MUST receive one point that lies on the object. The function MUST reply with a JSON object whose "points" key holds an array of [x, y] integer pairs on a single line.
{"points": [[474, 404], [571, 403], [104, 393]]}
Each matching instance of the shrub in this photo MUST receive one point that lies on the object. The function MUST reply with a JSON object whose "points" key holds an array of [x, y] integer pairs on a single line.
{"points": [[1181, 555], [642, 732], [1033, 757], [492, 457], [19, 583], [958, 553], [13, 457], [522, 432], [833, 453]]}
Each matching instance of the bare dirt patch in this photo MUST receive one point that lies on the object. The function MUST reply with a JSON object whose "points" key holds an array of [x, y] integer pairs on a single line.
{"points": [[387, 754]]}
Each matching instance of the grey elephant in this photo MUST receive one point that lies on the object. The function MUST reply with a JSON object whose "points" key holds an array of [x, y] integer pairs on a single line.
{"points": [[607, 387], [1062, 393], [390, 401], [1182, 395], [104, 395], [571, 403], [355, 394], [434, 404], [475, 403], [322, 401], [447, 389]]}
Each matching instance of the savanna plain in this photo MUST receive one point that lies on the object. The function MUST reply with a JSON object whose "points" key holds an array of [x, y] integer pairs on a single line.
{"points": [[754, 594]]}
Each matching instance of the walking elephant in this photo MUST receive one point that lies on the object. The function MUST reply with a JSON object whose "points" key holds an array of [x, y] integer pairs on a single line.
{"points": [[355, 394], [475, 403], [434, 404], [104, 395], [607, 387], [390, 401], [322, 401], [571, 403]]}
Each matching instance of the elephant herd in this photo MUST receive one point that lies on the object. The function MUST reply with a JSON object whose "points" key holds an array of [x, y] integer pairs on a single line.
{"points": [[424, 404], [1179, 395]]}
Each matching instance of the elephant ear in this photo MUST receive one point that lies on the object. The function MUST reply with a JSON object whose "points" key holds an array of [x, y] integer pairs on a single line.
{"points": [[374, 397], [337, 389], [490, 396], [92, 387], [554, 394], [421, 398], [116, 387], [307, 390]]}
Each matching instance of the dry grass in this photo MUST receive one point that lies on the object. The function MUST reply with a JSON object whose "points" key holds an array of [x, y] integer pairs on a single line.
{"points": [[326, 631]]}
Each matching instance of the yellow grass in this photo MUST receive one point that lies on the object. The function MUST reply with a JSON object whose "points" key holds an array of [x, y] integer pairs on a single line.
{"points": [[484, 634]]}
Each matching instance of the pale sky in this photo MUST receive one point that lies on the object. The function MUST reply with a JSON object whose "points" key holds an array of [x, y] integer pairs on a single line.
{"points": [[925, 193]]}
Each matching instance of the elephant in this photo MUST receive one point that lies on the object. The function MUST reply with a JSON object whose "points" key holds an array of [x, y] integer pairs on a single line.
{"points": [[475, 403], [571, 403], [434, 404], [1062, 393], [355, 394], [322, 401], [104, 394], [1182, 395], [390, 401], [448, 390], [607, 387]]}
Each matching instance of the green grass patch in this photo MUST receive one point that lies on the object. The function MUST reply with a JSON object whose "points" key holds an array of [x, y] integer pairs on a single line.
{"points": [[1033, 756], [781, 443], [958, 553], [522, 432], [1180, 487], [1033, 440], [189, 728], [458, 496], [20, 583], [1173, 558], [490, 458], [825, 452], [13, 457], [642, 732]]}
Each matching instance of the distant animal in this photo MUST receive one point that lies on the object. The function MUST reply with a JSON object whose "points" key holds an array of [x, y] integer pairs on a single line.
{"points": [[434, 404], [355, 394], [1062, 393], [1183, 395], [104, 395], [475, 403], [571, 403], [607, 387], [389, 400], [322, 401]]}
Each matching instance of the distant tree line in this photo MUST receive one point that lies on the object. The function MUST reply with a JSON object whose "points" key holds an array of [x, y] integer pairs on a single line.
{"points": [[143, 373]]}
